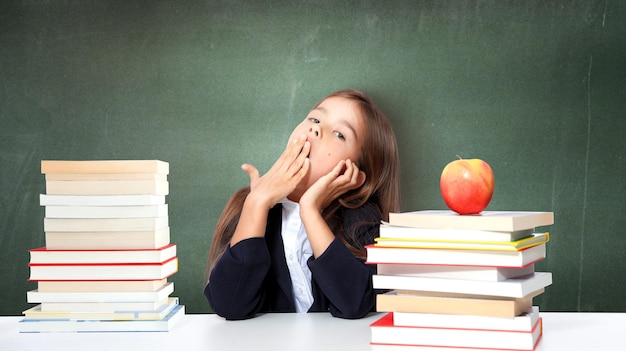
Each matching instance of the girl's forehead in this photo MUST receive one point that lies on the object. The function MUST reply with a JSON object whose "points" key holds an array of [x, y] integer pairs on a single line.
{"points": [[338, 106], [336, 100], [345, 112]]}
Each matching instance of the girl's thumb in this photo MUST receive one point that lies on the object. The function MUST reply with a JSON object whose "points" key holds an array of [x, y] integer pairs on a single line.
{"points": [[251, 170]]}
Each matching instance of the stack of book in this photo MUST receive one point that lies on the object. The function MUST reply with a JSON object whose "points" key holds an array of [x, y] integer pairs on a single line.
{"points": [[108, 255], [459, 282]]}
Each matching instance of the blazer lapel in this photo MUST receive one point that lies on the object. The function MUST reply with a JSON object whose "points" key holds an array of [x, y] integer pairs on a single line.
{"points": [[274, 240]]}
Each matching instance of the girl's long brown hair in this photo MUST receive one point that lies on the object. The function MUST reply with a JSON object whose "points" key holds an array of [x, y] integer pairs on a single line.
{"points": [[378, 159]]}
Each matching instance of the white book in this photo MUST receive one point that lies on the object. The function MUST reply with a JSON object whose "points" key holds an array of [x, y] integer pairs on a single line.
{"points": [[159, 313], [103, 307], [44, 326], [486, 220], [455, 272], [106, 211], [388, 230], [524, 322], [104, 224], [516, 287], [100, 285], [496, 258], [101, 200], [35, 296]]}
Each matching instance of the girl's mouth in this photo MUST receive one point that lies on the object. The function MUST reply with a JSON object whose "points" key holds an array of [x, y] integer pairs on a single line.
{"points": [[310, 146]]}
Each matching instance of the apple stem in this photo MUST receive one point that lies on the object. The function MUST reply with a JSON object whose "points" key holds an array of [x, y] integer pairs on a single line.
{"points": [[460, 158]]}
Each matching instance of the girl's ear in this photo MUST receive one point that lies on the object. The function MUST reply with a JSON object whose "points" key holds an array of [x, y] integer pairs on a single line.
{"points": [[361, 179]]}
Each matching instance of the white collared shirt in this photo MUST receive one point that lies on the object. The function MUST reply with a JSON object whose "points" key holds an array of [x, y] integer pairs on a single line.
{"points": [[297, 252]]}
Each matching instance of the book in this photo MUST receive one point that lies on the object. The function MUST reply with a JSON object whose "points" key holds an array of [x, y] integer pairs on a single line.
{"points": [[104, 307], [35, 296], [106, 211], [139, 271], [388, 230], [41, 325], [383, 331], [388, 347], [378, 254], [101, 200], [535, 239], [110, 176], [507, 221], [104, 166], [47, 256], [523, 322], [455, 272], [515, 287], [104, 224], [159, 313], [107, 187], [100, 286], [453, 304], [117, 240]]}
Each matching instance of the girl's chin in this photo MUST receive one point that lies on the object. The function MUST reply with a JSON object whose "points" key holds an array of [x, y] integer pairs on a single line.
{"points": [[295, 195], [300, 190]]}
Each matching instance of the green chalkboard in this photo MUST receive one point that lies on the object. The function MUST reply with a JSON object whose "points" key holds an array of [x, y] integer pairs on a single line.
{"points": [[535, 88]]}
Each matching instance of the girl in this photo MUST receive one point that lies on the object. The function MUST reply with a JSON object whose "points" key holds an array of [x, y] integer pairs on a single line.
{"points": [[293, 241]]}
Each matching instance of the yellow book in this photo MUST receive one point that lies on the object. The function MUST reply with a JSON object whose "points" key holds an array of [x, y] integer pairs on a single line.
{"points": [[104, 166], [535, 239]]}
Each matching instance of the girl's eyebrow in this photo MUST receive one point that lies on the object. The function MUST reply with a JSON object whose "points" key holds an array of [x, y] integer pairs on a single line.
{"points": [[349, 126], [343, 121], [321, 109]]}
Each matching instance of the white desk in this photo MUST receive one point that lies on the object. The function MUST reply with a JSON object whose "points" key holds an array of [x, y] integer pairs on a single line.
{"points": [[317, 331]]}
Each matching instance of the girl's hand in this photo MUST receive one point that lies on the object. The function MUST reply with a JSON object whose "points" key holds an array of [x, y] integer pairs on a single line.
{"points": [[344, 177], [341, 179], [282, 179]]}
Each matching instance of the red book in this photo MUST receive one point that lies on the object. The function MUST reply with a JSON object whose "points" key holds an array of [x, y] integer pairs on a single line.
{"points": [[100, 271], [385, 332], [46, 256]]}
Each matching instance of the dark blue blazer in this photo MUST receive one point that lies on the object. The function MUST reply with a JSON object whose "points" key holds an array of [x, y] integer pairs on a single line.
{"points": [[252, 276]]}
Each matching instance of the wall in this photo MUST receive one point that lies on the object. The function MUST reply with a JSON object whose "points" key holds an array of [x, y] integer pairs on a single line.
{"points": [[535, 88]]}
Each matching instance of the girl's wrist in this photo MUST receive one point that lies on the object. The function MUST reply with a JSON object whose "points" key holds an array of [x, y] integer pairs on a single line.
{"points": [[255, 200], [309, 210], [252, 220]]}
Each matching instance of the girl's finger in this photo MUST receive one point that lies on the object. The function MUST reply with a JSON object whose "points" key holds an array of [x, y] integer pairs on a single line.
{"points": [[336, 172], [354, 172], [251, 170], [295, 146], [294, 150], [349, 171], [296, 165], [302, 171]]}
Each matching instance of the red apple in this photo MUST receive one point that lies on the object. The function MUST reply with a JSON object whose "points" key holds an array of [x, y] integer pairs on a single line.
{"points": [[467, 185]]}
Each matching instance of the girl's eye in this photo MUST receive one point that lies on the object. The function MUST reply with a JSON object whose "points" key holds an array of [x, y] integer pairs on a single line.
{"points": [[314, 120], [340, 136]]}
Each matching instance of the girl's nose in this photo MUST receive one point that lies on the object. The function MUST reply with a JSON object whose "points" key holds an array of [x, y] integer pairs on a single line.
{"points": [[314, 131]]}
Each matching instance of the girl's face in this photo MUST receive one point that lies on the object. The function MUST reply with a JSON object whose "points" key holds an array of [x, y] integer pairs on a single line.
{"points": [[335, 130]]}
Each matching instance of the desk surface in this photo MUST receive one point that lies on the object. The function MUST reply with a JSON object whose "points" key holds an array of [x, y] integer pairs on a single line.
{"points": [[313, 331]]}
